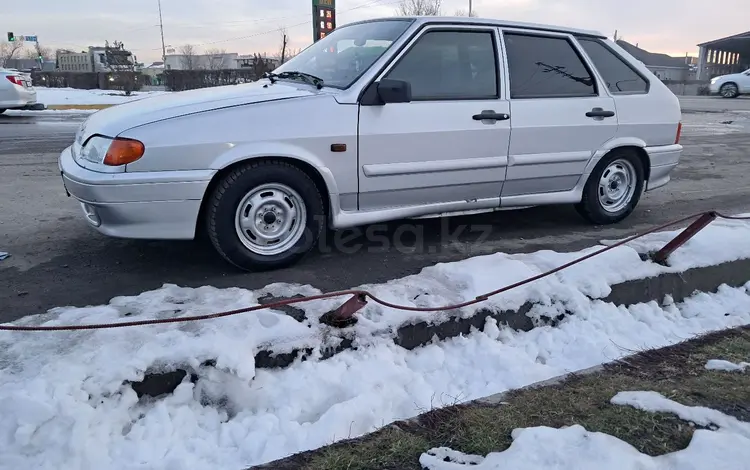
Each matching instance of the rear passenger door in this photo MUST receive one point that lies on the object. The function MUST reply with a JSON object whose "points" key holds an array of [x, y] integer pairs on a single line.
{"points": [[561, 116]]}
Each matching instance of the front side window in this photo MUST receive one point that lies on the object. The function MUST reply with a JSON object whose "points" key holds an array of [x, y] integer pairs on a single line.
{"points": [[618, 75], [546, 67], [450, 65], [343, 56]]}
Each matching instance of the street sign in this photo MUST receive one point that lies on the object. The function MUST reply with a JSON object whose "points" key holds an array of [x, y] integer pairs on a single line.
{"points": [[29, 38], [324, 18]]}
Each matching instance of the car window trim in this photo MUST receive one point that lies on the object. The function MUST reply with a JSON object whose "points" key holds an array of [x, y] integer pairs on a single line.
{"points": [[397, 56], [551, 35], [622, 59]]}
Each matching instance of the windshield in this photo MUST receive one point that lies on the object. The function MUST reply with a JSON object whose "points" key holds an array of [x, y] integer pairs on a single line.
{"points": [[344, 55]]}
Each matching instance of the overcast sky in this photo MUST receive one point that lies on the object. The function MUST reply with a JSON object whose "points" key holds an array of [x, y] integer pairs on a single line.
{"points": [[248, 26]]}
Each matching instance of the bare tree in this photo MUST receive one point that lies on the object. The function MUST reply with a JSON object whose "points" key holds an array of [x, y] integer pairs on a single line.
{"points": [[8, 51], [122, 63], [466, 13], [419, 8], [216, 59], [39, 51], [187, 59]]}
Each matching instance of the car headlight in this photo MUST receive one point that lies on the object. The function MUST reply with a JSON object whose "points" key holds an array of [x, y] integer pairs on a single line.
{"points": [[111, 152], [714, 80], [95, 149]]}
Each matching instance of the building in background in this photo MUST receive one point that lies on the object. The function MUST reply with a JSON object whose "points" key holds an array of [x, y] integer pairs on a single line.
{"points": [[724, 56], [92, 60], [219, 61], [664, 66], [155, 72]]}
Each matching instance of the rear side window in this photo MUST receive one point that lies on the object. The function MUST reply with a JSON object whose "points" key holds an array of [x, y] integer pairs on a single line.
{"points": [[619, 75], [546, 67]]}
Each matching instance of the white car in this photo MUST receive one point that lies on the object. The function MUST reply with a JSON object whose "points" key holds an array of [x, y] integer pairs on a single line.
{"points": [[16, 91], [381, 120], [732, 85]]}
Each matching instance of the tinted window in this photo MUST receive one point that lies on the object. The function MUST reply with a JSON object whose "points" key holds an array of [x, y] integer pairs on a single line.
{"points": [[450, 65], [543, 67], [620, 77]]}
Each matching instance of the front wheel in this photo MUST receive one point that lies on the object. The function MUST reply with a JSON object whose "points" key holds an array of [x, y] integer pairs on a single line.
{"points": [[729, 90], [613, 189], [265, 215]]}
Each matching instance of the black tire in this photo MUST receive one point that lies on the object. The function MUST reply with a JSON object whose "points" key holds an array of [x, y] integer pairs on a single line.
{"points": [[725, 92], [230, 192], [591, 207]]}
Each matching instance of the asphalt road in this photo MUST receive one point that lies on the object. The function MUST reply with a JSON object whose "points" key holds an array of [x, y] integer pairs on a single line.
{"points": [[57, 260]]}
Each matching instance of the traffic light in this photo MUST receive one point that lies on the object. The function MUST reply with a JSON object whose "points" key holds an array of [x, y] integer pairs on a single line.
{"points": [[11, 37]]}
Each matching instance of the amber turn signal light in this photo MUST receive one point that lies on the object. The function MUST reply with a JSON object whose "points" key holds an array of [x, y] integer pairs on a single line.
{"points": [[123, 151]]}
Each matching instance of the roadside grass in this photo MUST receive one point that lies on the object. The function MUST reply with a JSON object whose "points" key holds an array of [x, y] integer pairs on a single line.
{"points": [[677, 372]]}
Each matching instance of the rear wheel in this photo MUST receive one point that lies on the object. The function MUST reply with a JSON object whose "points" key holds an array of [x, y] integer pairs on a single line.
{"points": [[265, 215], [729, 90], [613, 189]]}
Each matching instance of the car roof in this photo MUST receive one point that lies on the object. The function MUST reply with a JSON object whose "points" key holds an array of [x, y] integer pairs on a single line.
{"points": [[487, 22]]}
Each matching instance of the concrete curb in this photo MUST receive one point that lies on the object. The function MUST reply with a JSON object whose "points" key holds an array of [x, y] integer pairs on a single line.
{"points": [[62, 107], [679, 286]]}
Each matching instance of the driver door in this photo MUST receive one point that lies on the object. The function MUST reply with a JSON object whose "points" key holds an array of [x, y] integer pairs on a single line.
{"points": [[438, 148]]}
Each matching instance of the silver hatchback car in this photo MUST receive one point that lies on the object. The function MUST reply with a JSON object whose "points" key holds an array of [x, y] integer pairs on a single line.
{"points": [[381, 120]]}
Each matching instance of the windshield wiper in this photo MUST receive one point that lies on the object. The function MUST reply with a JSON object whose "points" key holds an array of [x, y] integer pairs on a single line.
{"points": [[311, 79]]}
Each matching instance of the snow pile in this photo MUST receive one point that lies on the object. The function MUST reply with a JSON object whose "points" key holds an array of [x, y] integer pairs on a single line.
{"points": [[65, 403], [718, 364], [74, 96], [575, 448]]}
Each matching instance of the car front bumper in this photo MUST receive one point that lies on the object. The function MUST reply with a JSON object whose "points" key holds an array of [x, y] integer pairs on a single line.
{"points": [[664, 159], [147, 205]]}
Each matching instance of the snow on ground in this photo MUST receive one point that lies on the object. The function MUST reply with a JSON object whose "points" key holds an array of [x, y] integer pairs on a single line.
{"points": [[63, 96], [63, 403], [718, 364], [573, 447]]}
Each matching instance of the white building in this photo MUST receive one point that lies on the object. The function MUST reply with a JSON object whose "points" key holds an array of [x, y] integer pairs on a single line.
{"points": [[201, 61], [93, 60]]}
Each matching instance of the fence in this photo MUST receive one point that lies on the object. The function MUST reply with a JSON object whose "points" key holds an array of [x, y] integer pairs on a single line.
{"points": [[179, 80], [89, 80]]}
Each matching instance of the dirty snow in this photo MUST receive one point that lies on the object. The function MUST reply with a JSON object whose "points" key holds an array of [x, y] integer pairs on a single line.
{"points": [[64, 405], [67, 96], [719, 364]]}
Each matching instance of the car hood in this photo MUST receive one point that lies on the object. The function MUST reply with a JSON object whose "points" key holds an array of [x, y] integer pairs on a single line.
{"points": [[117, 119], [731, 76]]}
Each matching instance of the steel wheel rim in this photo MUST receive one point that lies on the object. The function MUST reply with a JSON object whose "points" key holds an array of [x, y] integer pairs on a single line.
{"points": [[270, 219], [617, 186], [729, 90]]}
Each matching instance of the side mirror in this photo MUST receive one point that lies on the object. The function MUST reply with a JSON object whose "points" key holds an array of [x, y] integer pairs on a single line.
{"points": [[394, 91]]}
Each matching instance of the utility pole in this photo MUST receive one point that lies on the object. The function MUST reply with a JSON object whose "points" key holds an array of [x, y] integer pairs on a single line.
{"points": [[283, 50], [163, 47], [470, 7]]}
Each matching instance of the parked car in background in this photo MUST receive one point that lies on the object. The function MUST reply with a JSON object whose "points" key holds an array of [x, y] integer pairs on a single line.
{"points": [[16, 91], [381, 120], [732, 85]]}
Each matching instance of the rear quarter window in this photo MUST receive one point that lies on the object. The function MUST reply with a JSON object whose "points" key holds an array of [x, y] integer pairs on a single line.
{"points": [[619, 76]]}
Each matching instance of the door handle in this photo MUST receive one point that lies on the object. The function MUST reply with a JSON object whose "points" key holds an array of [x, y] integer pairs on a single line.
{"points": [[599, 112], [491, 115]]}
